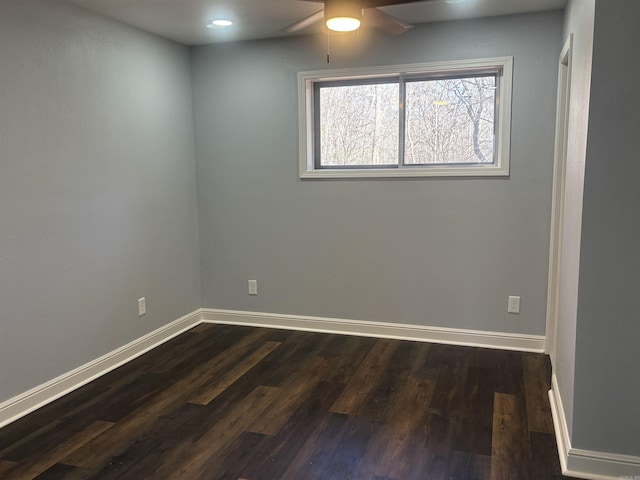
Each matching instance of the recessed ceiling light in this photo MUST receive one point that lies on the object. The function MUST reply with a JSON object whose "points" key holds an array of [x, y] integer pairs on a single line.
{"points": [[219, 23], [453, 2]]}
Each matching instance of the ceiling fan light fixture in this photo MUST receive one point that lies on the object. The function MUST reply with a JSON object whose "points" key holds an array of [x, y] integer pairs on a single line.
{"points": [[342, 16], [343, 24]]}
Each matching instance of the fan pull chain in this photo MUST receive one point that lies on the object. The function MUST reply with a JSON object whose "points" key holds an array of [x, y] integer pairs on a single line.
{"points": [[328, 44]]}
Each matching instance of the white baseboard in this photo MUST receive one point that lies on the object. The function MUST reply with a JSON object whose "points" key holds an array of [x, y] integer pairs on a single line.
{"points": [[17, 407], [585, 463], [452, 336]]}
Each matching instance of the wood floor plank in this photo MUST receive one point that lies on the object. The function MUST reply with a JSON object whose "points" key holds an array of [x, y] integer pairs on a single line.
{"points": [[197, 347], [281, 404], [434, 454], [468, 466], [537, 397], [388, 454], [508, 372], [6, 465], [292, 396], [314, 458], [26, 439], [474, 428], [191, 461], [297, 345], [181, 426], [509, 450], [58, 452], [276, 454], [96, 453], [348, 458], [211, 391], [118, 400], [235, 343], [297, 352], [108, 398], [452, 376], [363, 380], [410, 356], [146, 453], [344, 366], [203, 328], [102, 399], [544, 457], [169, 354], [428, 362], [58, 471], [376, 407], [235, 457]]}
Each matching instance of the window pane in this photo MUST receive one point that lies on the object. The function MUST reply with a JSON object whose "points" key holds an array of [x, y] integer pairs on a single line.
{"points": [[359, 125], [450, 121]]}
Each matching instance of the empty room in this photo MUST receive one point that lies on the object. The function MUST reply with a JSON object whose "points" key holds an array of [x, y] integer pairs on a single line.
{"points": [[305, 239]]}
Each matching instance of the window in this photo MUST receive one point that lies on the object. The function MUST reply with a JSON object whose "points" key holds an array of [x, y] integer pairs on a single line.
{"points": [[444, 119]]}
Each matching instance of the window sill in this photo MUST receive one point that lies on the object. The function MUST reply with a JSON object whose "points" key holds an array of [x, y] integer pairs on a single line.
{"points": [[407, 172]]}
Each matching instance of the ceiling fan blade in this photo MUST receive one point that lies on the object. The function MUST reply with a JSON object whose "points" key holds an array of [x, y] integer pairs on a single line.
{"points": [[377, 18], [379, 3], [305, 22], [388, 3]]}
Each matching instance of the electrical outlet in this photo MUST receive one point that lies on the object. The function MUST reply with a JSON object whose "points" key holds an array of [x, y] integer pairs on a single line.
{"points": [[514, 305], [253, 287], [142, 307]]}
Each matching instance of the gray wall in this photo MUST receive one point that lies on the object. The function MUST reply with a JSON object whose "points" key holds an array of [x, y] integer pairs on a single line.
{"points": [[607, 383], [97, 189], [579, 20], [431, 252]]}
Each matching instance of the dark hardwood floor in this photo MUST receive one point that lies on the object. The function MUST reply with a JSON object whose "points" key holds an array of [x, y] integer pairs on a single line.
{"points": [[227, 402]]}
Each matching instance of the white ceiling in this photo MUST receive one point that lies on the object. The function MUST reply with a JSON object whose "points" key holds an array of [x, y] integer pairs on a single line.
{"points": [[184, 20]]}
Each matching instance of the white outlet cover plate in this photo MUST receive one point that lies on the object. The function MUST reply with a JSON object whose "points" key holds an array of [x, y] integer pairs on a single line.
{"points": [[513, 305], [142, 307]]}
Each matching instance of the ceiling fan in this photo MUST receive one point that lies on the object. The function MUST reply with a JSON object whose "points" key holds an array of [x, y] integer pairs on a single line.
{"points": [[347, 15]]}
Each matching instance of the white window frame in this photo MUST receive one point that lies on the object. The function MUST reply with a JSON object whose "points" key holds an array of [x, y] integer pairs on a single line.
{"points": [[500, 168]]}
